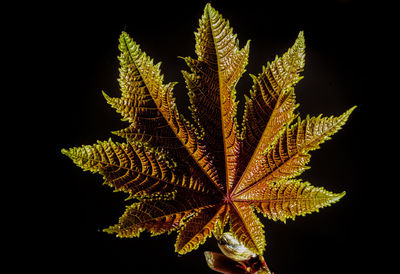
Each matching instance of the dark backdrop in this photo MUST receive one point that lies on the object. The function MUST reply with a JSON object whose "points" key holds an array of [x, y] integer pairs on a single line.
{"points": [[80, 60]]}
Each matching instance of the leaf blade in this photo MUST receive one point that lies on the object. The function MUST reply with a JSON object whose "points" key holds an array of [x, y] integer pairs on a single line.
{"points": [[288, 199], [215, 73], [132, 167], [198, 229], [149, 105], [246, 227], [158, 216], [270, 106], [288, 157]]}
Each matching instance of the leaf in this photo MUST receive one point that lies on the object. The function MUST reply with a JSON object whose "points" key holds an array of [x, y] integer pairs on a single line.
{"points": [[289, 199], [195, 177], [132, 167], [246, 226], [150, 107], [211, 87], [198, 229], [288, 157], [271, 104], [158, 215]]}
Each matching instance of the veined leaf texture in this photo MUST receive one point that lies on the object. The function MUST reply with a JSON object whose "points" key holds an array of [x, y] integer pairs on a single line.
{"points": [[202, 175]]}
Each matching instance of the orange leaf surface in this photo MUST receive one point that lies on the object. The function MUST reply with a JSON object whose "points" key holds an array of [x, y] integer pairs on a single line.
{"points": [[195, 176]]}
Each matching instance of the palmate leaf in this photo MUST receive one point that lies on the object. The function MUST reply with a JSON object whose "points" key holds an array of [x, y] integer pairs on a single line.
{"points": [[196, 178]]}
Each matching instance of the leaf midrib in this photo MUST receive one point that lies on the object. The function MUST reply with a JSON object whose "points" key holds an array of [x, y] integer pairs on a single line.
{"points": [[133, 61], [139, 172]]}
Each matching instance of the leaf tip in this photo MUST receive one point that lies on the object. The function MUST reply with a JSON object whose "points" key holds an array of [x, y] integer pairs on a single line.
{"points": [[339, 196], [108, 98], [346, 115], [111, 229], [352, 109], [301, 35], [65, 151], [333, 198]]}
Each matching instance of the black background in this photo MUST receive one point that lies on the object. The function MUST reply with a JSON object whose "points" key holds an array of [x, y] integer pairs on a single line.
{"points": [[78, 50]]}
